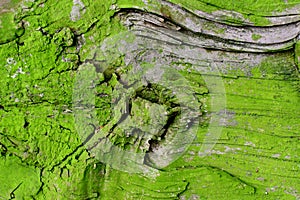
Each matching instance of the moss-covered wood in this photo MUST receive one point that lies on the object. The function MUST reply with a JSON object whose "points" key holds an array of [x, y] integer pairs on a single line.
{"points": [[245, 54]]}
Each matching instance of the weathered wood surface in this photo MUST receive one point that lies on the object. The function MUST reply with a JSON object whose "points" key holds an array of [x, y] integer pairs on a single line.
{"points": [[239, 62]]}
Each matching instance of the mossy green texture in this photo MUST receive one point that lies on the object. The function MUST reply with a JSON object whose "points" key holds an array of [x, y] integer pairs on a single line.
{"points": [[17, 179], [37, 74], [255, 37], [297, 54], [42, 156], [9, 29]]}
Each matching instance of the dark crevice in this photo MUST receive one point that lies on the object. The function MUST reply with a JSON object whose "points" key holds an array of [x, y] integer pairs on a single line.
{"points": [[89, 28], [44, 33], [68, 156], [12, 193], [40, 190], [95, 144], [64, 128], [154, 142], [184, 190], [235, 177], [3, 149], [124, 83], [91, 134], [26, 123], [19, 43], [170, 121]]}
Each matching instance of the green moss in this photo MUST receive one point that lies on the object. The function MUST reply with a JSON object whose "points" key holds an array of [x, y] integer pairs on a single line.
{"points": [[220, 31], [196, 5], [265, 117], [38, 72], [214, 28], [131, 3], [255, 37], [297, 54], [258, 20], [64, 37], [18, 180], [8, 28], [235, 21]]}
